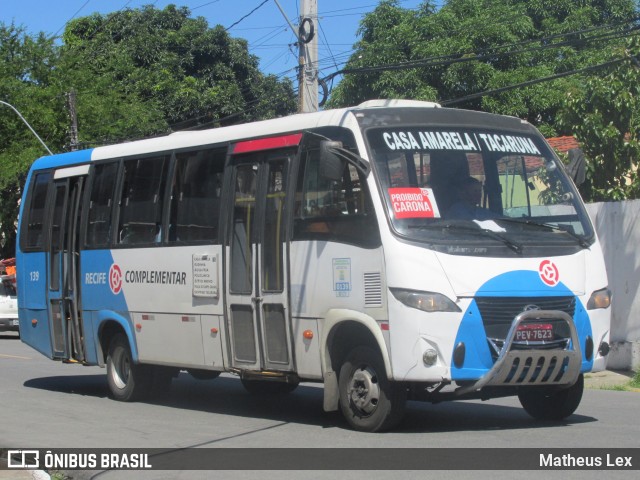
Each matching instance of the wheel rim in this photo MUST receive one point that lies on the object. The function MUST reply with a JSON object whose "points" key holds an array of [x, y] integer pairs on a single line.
{"points": [[364, 390], [121, 368]]}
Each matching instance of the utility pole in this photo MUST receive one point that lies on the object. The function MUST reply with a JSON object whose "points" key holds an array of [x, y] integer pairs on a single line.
{"points": [[308, 56], [73, 130]]}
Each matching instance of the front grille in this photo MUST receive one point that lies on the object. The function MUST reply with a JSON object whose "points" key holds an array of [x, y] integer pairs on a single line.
{"points": [[498, 313]]}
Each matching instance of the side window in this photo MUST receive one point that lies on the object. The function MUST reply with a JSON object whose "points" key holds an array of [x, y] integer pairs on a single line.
{"points": [[333, 210], [102, 193], [140, 219], [33, 232], [195, 196]]}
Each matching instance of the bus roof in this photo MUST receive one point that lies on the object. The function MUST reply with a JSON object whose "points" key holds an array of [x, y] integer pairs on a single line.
{"points": [[339, 117]]}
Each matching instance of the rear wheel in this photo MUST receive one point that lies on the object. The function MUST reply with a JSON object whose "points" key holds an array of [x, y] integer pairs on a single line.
{"points": [[128, 381], [368, 400], [552, 405]]}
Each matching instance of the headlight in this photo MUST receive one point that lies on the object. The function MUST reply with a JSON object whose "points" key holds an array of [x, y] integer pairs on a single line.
{"points": [[426, 301], [599, 299]]}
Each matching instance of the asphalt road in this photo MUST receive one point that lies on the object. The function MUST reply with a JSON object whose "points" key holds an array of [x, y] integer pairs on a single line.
{"points": [[46, 404]]}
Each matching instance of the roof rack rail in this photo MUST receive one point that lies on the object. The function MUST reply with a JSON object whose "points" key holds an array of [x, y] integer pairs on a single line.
{"points": [[398, 103]]}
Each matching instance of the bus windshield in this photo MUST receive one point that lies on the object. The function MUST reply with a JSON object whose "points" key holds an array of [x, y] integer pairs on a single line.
{"points": [[460, 186]]}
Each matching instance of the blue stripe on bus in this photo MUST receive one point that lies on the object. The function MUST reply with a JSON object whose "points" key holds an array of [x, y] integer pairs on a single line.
{"points": [[63, 160], [99, 302], [471, 331]]}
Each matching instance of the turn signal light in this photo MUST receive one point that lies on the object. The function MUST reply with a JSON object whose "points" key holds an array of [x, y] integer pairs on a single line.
{"points": [[599, 299], [307, 334]]}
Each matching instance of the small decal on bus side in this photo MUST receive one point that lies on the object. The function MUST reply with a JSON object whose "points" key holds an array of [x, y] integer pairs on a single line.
{"points": [[34, 276], [413, 203], [115, 279], [342, 276]]}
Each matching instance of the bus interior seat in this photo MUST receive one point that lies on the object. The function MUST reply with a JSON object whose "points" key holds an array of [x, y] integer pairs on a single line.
{"points": [[446, 169]]}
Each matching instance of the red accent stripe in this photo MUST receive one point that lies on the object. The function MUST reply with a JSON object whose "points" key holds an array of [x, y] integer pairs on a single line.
{"points": [[267, 143]]}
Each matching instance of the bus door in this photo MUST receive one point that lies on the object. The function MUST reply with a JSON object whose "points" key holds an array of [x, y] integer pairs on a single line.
{"points": [[63, 264], [258, 315]]}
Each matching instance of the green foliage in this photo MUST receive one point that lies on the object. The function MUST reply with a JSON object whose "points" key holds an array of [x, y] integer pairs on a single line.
{"points": [[462, 29], [599, 107], [183, 72], [26, 84], [604, 113], [136, 73]]}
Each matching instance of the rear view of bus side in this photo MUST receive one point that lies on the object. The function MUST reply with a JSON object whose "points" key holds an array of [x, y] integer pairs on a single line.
{"points": [[392, 251]]}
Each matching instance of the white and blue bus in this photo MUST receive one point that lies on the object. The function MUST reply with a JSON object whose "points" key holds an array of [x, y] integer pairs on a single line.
{"points": [[395, 250]]}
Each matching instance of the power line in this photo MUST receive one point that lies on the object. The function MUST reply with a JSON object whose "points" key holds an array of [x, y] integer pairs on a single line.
{"points": [[204, 5], [445, 60], [532, 82], [72, 17], [247, 15]]}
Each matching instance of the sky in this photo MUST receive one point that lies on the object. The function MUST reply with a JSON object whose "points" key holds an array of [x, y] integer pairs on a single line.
{"points": [[269, 36]]}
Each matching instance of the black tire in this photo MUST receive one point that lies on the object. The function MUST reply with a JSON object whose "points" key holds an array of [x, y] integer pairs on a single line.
{"points": [[204, 374], [128, 381], [268, 387], [368, 400], [552, 405]]}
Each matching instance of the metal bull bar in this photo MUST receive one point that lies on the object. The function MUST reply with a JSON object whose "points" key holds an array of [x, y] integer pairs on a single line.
{"points": [[526, 367]]}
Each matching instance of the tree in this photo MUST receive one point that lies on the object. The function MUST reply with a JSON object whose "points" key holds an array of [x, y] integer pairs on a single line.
{"points": [[604, 114], [26, 84], [472, 46], [136, 73], [184, 73]]}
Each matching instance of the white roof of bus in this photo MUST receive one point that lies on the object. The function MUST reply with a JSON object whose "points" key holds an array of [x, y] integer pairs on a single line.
{"points": [[225, 134], [339, 117]]}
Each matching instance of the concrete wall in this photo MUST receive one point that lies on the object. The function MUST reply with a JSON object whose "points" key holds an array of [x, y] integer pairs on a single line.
{"points": [[618, 228]]}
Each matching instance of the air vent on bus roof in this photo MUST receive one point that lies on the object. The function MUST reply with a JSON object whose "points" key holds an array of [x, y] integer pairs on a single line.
{"points": [[398, 103]]}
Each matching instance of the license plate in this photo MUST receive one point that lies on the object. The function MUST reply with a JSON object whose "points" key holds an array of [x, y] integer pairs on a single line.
{"points": [[14, 322], [534, 332]]}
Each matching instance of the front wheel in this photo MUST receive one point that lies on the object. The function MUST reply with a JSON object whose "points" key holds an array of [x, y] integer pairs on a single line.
{"points": [[368, 400], [128, 381], [556, 405]]}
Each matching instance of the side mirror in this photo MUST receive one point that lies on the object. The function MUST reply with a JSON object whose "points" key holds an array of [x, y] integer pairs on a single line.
{"points": [[331, 163]]}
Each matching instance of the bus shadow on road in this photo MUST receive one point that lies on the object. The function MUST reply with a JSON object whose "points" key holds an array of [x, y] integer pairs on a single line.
{"points": [[86, 385], [475, 415], [226, 396]]}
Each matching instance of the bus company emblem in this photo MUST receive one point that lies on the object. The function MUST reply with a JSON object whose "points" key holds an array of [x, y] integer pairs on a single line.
{"points": [[530, 308], [115, 279], [549, 273]]}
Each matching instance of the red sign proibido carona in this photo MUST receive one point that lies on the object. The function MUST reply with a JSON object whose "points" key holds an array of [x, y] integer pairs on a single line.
{"points": [[413, 203]]}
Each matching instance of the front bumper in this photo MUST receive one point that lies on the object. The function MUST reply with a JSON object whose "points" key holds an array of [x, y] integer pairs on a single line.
{"points": [[9, 324], [530, 367]]}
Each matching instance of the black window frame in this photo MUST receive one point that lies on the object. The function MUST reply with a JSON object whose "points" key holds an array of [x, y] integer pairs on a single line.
{"points": [[218, 153], [27, 212], [357, 229], [85, 244]]}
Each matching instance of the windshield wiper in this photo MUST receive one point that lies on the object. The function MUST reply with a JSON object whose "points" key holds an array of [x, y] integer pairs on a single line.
{"points": [[557, 228], [516, 247]]}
